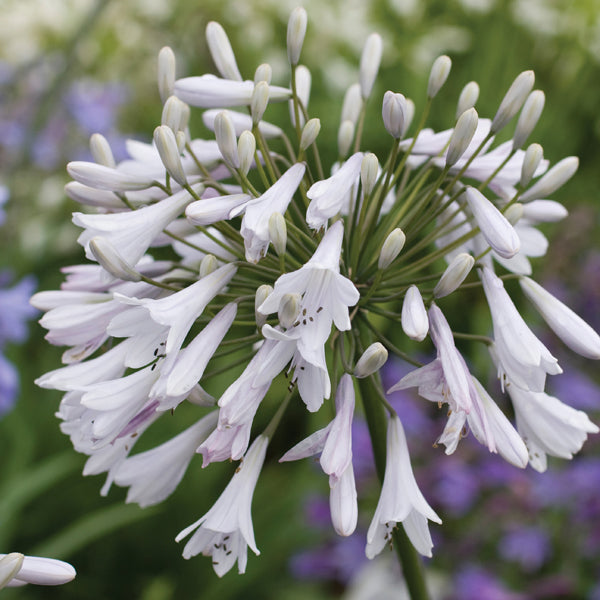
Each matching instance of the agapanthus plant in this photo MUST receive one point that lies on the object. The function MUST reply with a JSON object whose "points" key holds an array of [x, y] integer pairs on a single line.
{"points": [[247, 249]]}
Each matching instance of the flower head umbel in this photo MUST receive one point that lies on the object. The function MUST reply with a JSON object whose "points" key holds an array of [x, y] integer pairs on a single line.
{"points": [[239, 251]]}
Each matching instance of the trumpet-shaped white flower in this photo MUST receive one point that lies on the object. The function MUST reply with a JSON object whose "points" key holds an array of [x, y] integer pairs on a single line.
{"points": [[226, 531], [400, 499]]}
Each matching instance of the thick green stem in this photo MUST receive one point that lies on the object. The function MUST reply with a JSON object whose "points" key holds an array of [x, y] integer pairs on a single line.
{"points": [[410, 562]]}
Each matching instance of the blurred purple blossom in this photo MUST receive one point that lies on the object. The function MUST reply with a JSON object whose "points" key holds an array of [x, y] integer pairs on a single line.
{"points": [[475, 583], [528, 546]]}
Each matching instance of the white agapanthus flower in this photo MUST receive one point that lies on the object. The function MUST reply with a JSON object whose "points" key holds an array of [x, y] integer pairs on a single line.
{"points": [[236, 255]]}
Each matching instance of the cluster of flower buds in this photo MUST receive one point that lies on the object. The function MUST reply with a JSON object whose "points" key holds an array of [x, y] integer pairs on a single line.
{"points": [[242, 251]]}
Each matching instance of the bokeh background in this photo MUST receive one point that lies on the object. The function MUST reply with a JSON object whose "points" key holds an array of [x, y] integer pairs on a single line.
{"points": [[69, 68]]}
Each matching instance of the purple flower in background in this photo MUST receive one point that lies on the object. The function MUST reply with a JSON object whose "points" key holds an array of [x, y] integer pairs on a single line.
{"points": [[474, 583], [528, 546], [9, 385], [577, 390]]}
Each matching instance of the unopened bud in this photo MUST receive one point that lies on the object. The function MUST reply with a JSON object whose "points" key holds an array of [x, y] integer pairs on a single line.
{"points": [[415, 323], [392, 246], [175, 114], [531, 161], [455, 273], [461, 136], [532, 110], [296, 31], [208, 265], [10, 565], [261, 295], [259, 101], [181, 140], [246, 150], [226, 140], [369, 64], [467, 98], [352, 104], [263, 72], [101, 152], [556, 177], [513, 100], [166, 73], [372, 359], [438, 75], [369, 170], [278, 232], [309, 133], [345, 137], [409, 113], [166, 144], [111, 261], [514, 213], [289, 307], [221, 51], [393, 110], [303, 85]]}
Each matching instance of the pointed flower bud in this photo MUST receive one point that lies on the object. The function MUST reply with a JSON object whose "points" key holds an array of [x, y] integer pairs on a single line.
{"points": [[461, 136], [455, 273], [278, 232], [513, 100], [309, 133], [166, 144], [372, 359], [261, 295], [531, 161], [101, 152], [352, 104], [393, 111], [553, 179], [221, 52], [409, 113], [514, 213], [532, 110], [263, 72], [10, 565], [438, 75], [565, 323], [175, 114], [369, 64], [296, 31], [392, 246], [289, 307], [111, 261], [166, 73], [369, 170], [303, 85], [208, 265], [468, 97], [345, 137], [415, 323], [246, 149], [259, 101], [226, 140], [106, 178]]}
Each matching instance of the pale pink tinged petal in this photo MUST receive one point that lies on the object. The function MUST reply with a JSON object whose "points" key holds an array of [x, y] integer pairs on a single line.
{"points": [[309, 446]]}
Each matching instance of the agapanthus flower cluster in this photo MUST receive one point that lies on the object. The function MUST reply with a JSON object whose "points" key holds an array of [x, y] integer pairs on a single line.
{"points": [[246, 249]]}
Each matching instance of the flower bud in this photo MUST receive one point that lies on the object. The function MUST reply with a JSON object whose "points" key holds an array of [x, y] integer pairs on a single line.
{"points": [[166, 144], [111, 261], [278, 232], [10, 565], [181, 140], [532, 110], [166, 73], [208, 265], [392, 111], [392, 246], [531, 161], [438, 75], [246, 149], [369, 64], [259, 101], [513, 100], [415, 323], [461, 136], [372, 359], [221, 51], [175, 114], [309, 133], [261, 295], [101, 152], [345, 137], [263, 72], [514, 213], [369, 170], [556, 177], [467, 98], [289, 307], [352, 104], [303, 84], [455, 273], [226, 140], [409, 113], [296, 31]]}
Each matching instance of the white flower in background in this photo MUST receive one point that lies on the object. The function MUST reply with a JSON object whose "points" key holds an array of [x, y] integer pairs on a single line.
{"points": [[237, 252]]}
